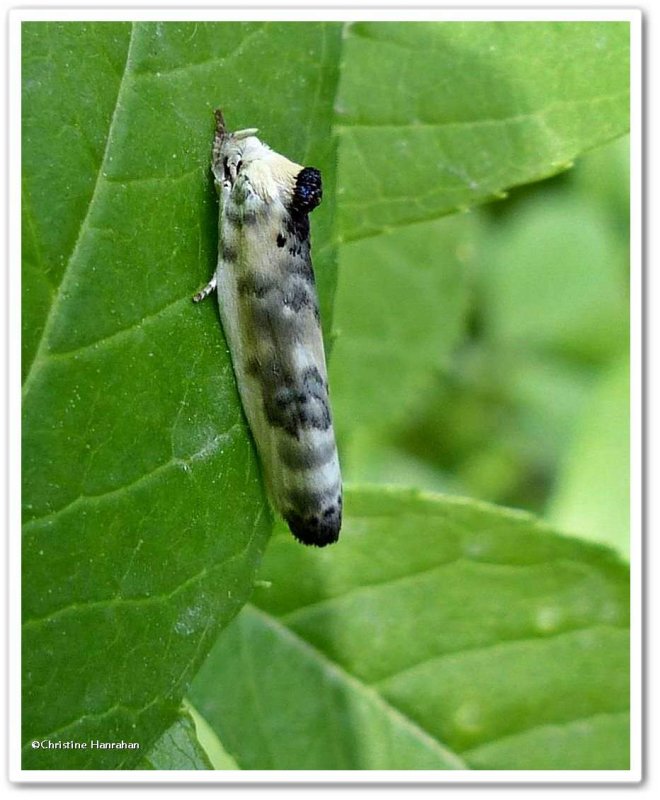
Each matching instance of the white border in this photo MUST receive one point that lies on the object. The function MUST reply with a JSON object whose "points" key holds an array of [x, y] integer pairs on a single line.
{"points": [[296, 11], [636, 398]]}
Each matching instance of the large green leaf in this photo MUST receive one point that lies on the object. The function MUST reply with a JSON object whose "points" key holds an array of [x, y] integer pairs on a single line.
{"points": [[144, 514], [440, 634], [440, 116]]}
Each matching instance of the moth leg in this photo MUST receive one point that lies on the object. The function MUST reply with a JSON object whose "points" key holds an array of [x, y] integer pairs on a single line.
{"points": [[206, 291]]}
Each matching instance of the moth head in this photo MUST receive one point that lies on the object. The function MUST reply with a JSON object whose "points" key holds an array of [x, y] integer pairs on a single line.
{"points": [[234, 149]]}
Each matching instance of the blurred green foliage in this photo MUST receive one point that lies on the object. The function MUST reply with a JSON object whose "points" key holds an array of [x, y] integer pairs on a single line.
{"points": [[546, 275]]}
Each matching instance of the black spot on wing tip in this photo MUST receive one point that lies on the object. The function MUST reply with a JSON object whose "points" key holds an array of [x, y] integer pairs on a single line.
{"points": [[317, 531]]}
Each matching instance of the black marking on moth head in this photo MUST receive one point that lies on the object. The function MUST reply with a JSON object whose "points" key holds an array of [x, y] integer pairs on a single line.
{"points": [[306, 196], [317, 529], [308, 191]]}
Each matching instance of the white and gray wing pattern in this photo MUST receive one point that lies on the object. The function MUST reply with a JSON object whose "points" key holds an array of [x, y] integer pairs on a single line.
{"points": [[270, 315]]}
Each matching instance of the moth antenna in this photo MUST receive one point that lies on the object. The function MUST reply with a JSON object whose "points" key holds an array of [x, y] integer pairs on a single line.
{"points": [[219, 138], [220, 127]]}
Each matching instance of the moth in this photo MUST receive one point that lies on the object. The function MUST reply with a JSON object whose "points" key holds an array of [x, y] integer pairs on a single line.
{"points": [[270, 315]]}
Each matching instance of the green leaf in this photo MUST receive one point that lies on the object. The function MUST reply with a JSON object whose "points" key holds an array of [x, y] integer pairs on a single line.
{"points": [[439, 632], [144, 513], [434, 117], [400, 309], [177, 748], [301, 710], [592, 497]]}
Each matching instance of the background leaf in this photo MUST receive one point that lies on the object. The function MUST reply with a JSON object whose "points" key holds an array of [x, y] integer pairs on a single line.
{"points": [[442, 633], [440, 116], [400, 309], [144, 512]]}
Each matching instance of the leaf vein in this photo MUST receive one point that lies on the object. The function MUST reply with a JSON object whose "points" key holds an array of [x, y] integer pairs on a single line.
{"points": [[492, 646], [472, 751], [122, 602], [182, 463], [119, 334], [66, 274], [538, 114], [339, 672]]}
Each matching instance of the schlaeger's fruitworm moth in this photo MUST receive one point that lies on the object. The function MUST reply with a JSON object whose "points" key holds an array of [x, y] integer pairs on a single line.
{"points": [[270, 314]]}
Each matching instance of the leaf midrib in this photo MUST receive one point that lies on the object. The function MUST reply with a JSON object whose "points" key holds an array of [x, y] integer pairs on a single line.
{"points": [[349, 680]]}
